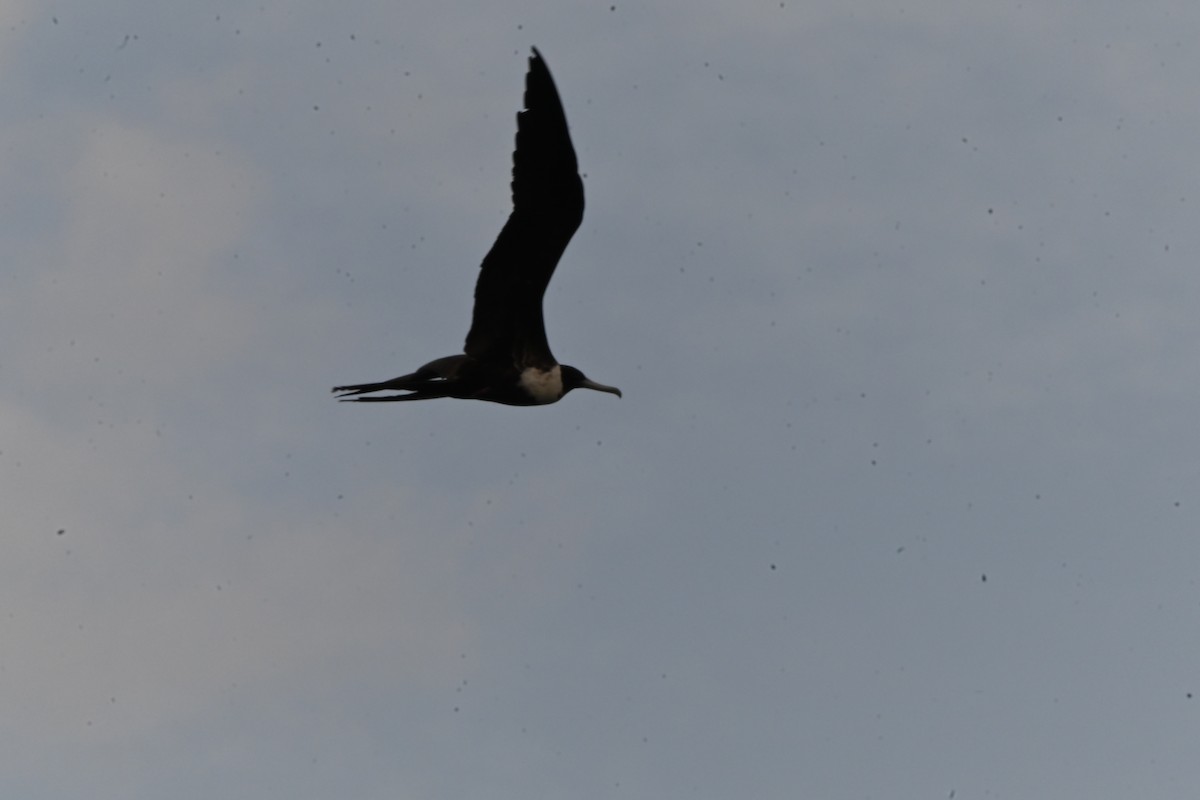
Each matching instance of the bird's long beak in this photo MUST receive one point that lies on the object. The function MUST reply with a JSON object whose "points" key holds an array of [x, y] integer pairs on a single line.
{"points": [[600, 387]]}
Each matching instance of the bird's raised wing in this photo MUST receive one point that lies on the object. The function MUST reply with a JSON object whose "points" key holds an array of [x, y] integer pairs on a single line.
{"points": [[547, 209]]}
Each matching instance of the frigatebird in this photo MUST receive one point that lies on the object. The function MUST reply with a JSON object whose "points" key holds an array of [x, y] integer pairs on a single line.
{"points": [[506, 358]]}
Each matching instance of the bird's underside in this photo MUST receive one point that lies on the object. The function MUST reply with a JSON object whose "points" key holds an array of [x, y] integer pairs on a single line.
{"points": [[453, 376], [506, 357]]}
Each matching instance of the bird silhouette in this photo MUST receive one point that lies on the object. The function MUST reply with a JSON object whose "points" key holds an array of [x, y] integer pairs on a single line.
{"points": [[506, 358]]}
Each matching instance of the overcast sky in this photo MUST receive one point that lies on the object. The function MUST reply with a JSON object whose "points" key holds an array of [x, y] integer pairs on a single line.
{"points": [[900, 500]]}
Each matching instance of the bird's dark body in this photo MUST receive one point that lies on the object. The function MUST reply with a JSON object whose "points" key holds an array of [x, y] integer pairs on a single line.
{"points": [[467, 379], [506, 357]]}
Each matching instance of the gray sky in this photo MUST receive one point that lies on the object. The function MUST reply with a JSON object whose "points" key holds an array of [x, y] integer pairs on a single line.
{"points": [[899, 502]]}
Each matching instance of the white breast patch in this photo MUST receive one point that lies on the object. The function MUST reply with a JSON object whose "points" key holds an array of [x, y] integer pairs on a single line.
{"points": [[543, 386]]}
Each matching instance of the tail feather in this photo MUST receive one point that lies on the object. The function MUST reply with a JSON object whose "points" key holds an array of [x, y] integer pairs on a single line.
{"points": [[421, 386], [435, 379], [390, 398], [403, 383]]}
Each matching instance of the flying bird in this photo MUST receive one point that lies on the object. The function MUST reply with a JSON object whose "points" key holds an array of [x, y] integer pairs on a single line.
{"points": [[506, 358]]}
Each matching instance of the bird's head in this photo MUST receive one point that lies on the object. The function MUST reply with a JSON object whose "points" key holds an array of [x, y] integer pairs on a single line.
{"points": [[574, 379]]}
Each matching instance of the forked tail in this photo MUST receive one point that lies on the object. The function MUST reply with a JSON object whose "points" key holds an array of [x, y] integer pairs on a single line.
{"points": [[418, 388], [430, 381]]}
